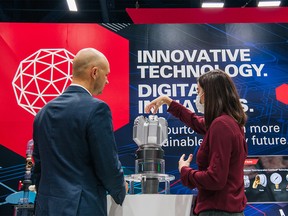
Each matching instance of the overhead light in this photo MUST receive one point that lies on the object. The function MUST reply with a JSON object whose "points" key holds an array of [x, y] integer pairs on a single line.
{"points": [[72, 5], [263, 3], [212, 4]]}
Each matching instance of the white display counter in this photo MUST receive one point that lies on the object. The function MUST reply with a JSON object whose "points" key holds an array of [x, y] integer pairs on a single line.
{"points": [[152, 205]]}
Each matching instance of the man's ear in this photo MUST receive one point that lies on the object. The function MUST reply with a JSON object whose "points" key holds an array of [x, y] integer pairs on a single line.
{"points": [[95, 72]]}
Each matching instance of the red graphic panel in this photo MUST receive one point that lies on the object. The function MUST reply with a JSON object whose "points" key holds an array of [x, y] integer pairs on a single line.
{"points": [[282, 93], [36, 66]]}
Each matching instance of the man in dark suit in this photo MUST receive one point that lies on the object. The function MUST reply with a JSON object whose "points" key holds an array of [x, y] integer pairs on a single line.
{"points": [[76, 161]]}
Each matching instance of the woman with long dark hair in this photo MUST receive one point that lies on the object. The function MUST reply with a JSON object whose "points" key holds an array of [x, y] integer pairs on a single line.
{"points": [[221, 156]]}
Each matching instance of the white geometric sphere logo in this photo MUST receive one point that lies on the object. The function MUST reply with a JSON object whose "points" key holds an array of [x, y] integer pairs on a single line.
{"points": [[41, 77]]}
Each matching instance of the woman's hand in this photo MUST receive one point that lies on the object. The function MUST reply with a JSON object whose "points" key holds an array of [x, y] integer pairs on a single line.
{"points": [[154, 105], [182, 162]]}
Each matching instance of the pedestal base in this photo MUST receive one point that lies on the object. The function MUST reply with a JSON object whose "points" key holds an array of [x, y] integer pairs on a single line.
{"points": [[145, 179]]}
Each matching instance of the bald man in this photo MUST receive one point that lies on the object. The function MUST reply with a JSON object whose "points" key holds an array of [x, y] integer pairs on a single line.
{"points": [[76, 161]]}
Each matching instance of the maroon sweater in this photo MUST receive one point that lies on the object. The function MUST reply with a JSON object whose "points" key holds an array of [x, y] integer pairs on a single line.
{"points": [[220, 160]]}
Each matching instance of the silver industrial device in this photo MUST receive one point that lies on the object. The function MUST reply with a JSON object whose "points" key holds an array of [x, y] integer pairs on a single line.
{"points": [[150, 134]]}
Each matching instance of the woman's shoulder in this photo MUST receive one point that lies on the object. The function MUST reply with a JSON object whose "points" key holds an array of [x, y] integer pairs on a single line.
{"points": [[225, 123], [225, 120]]}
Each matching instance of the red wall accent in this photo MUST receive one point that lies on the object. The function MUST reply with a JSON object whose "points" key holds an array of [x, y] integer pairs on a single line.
{"points": [[20, 40], [208, 15]]}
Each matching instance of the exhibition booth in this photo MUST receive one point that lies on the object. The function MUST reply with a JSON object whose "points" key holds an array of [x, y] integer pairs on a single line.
{"points": [[146, 60]]}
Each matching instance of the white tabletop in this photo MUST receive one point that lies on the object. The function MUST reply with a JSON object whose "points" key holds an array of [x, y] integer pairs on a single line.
{"points": [[152, 205]]}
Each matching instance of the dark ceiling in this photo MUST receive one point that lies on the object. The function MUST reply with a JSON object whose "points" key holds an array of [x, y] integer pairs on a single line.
{"points": [[94, 11]]}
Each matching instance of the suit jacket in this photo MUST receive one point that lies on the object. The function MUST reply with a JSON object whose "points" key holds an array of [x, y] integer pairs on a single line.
{"points": [[76, 161]]}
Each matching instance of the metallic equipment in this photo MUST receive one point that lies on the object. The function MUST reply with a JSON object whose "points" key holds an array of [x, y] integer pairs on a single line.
{"points": [[29, 164], [24, 199], [150, 134]]}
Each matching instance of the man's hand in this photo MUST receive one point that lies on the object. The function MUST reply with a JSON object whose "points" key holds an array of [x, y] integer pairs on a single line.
{"points": [[126, 187]]}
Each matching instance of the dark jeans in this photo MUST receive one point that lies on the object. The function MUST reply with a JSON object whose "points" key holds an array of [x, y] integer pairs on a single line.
{"points": [[219, 213]]}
